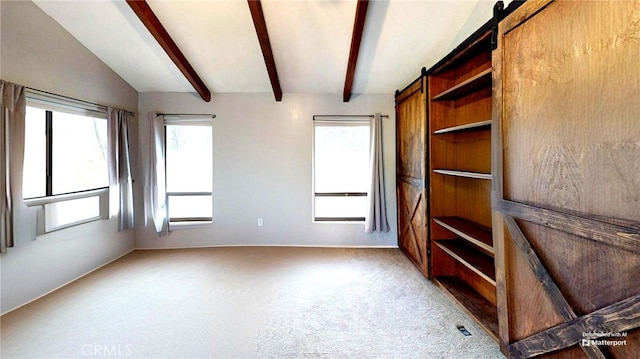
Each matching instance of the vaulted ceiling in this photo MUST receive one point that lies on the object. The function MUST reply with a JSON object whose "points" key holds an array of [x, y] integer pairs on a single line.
{"points": [[310, 42]]}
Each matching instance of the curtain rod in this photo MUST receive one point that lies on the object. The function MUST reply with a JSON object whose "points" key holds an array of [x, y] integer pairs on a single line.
{"points": [[54, 96], [187, 114], [338, 117]]}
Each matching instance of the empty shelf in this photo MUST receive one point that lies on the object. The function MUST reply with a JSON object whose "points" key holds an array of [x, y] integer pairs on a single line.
{"points": [[477, 82], [465, 127], [485, 313], [478, 235], [470, 257], [463, 174]]}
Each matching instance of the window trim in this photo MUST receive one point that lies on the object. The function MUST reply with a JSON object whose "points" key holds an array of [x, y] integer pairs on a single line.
{"points": [[50, 102], [185, 220], [187, 120], [40, 201], [338, 121]]}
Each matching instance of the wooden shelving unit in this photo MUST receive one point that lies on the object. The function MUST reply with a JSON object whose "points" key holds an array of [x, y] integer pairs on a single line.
{"points": [[459, 109]]}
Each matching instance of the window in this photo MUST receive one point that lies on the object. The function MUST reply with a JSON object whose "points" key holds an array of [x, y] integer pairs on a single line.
{"points": [[341, 169], [65, 163], [189, 171]]}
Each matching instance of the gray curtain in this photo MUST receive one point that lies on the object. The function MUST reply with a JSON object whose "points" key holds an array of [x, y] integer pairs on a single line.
{"points": [[154, 182], [12, 127], [120, 181], [376, 220]]}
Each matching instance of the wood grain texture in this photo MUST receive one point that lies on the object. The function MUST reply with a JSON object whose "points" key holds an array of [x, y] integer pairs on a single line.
{"points": [[566, 160], [410, 90], [255, 7], [627, 238], [500, 241], [460, 94], [412, 235], [444, 265], [356, 38], [617, 318], [411, 183], [411, 136], [584, 156], [478, 235], [561, 305], [465, 254], [525, 11], [591, 275], [475, 305], [157, 30]]}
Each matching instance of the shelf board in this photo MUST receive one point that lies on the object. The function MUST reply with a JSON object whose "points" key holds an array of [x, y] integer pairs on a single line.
{"points": [[463, 174], [466, 127], [470, 257], [480, 309], [476, 234], [477, 82], [464, 52]]}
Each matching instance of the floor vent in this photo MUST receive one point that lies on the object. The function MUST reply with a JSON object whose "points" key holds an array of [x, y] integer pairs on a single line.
{"points": [[464, 331]]}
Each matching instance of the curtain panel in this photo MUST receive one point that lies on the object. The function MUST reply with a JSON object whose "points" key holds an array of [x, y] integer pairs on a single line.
{"points": [[120, 182], [155, 196], [12, 127], [376, 220]]}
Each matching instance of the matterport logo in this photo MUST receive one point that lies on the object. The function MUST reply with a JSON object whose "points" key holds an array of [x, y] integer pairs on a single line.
{"points": [[107, 350], [609, 339]]}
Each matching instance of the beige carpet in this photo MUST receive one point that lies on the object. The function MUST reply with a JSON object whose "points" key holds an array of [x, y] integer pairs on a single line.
{"points": [[262, 302]]}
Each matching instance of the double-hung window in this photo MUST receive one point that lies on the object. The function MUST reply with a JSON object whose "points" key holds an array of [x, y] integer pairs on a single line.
{"points": [[65, 161], [189, 170], [340, 169]]}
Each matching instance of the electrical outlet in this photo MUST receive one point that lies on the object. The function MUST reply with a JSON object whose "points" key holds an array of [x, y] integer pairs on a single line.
{"points": [[259, 221]]}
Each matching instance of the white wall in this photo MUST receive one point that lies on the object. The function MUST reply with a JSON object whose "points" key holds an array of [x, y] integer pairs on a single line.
{"points": [[37, 52], [262, 168]]}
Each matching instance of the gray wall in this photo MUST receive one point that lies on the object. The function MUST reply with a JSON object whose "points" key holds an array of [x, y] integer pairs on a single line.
{"points": [[262, 163], [263, 166], [37, 52]]}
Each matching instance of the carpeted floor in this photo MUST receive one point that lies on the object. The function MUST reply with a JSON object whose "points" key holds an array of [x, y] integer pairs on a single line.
{"points": [[260, 302]]}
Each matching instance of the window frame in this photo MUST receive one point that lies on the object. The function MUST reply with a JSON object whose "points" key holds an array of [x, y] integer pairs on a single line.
{"points": [[101, 193], [345, 120], [187, 222], [49, 103]]}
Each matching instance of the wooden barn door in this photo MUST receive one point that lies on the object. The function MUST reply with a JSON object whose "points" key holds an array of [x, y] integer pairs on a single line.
{"points": [[567, 189], [411, 122]]}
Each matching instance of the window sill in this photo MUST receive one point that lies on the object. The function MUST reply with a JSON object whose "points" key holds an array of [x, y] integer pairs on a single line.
{"points": [[314, 221], [189, 225], [40, 201]]}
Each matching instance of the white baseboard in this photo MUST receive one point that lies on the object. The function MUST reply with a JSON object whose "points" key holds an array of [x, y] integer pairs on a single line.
{"points": [[267, 245], [67, 283]]}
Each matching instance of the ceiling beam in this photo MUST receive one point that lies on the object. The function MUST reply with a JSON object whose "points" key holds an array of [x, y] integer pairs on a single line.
{"points": [[255, 6], [356, 37], [151, 22]]}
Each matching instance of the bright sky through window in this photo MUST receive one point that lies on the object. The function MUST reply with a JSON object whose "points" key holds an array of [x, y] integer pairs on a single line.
{"points": [[341, 161]]}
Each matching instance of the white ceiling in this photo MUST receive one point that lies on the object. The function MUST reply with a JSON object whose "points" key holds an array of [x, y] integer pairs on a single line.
{"points": [[310, 41]]}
